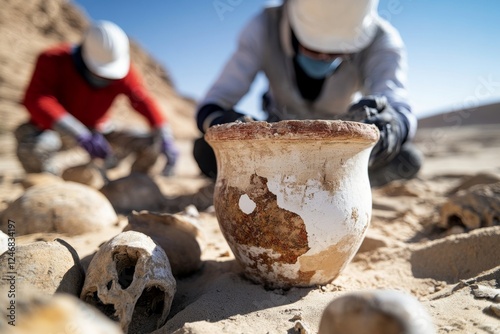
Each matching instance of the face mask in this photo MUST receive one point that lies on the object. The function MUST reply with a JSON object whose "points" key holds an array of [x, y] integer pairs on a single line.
{"points": [[96, 81], [318, 69]]}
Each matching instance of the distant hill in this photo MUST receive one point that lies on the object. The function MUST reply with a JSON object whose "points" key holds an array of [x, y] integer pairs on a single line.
{"points": [[28, 27], [485, 114]]}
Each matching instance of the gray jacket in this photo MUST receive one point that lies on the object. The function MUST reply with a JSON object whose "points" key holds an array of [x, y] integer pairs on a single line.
{"points": [[265, 45]]}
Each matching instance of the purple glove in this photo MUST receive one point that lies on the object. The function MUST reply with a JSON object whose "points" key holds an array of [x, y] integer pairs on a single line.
{"points": [[95, 144], [170, 150]]}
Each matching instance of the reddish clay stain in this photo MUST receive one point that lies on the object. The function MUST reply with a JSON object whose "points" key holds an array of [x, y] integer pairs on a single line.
{"points": [[268, 226]]}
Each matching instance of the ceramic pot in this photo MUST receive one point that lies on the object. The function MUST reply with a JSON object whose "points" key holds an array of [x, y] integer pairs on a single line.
{"points": [[292, 198]]}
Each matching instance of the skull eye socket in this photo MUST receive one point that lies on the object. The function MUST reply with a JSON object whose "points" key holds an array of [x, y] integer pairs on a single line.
{"points": [[148, 311], [108, 309], [125, 267]]}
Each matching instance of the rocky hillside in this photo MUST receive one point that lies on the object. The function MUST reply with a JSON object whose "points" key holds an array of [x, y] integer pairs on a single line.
{"points": [[483, 114], [27, 27]]}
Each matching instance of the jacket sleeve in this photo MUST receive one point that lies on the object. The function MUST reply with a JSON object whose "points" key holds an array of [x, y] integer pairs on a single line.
{"points": [[40, 96], [240, 71], [141, 100], [385, 73]]}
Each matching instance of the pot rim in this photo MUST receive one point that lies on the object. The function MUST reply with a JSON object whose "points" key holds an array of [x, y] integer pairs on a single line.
{"points": [[299, 130]]}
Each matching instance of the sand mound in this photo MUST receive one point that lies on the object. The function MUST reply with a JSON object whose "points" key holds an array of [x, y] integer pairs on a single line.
{"points": [[458, 257]]}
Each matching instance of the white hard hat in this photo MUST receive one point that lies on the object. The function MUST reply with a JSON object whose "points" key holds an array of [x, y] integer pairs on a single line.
{"points": [[333, 26], [106, 50]]}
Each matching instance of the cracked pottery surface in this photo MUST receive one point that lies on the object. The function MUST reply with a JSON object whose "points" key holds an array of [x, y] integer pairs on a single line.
{"points": [[293, 198]]}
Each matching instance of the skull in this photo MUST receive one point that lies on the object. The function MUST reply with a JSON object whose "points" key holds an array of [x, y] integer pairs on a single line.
{"points": [[130, 280]]}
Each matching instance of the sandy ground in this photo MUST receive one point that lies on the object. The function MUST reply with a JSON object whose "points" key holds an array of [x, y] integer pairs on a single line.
{"points": [[404, 249]]}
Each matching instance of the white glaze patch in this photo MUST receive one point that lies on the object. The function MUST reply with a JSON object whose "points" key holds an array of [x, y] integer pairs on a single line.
{"points": [[246, 204], [321, 211]]}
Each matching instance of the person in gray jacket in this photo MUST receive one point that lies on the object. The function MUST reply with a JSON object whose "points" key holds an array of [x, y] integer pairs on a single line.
{"points": [[324, 59]]}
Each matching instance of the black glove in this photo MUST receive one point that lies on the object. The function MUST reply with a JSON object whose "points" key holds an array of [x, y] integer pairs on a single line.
{"points": [[392, 127], [212, 114]]}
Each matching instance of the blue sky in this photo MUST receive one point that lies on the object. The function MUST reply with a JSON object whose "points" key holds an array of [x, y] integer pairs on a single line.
{"points": [[453, 46]]}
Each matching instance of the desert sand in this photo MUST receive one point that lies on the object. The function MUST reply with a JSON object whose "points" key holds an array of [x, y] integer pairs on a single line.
{"points": [[406, 247], [404, 250]]}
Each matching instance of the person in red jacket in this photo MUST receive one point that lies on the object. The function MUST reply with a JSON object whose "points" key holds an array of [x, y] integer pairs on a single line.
{"points": [[70, 93]]}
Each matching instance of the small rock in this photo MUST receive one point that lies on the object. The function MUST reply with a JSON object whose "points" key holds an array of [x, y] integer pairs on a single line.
{"points": [[224, 254], [301, 328], [455, 230], [191, 211], [481, 291], [495, 309]]}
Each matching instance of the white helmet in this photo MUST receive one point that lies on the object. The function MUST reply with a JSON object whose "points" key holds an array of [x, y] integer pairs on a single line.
{"points": [[333, 26], [106, 50]]}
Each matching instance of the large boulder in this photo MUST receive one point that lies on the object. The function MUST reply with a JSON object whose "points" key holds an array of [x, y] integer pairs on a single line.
{"points": [[63, 207]]}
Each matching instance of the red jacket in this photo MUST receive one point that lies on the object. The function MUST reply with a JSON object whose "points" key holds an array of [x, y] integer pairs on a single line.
{"points": [[57, 88]]}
